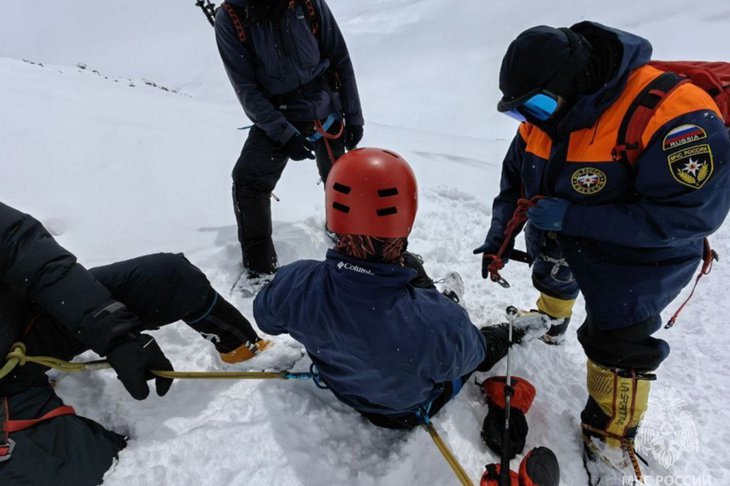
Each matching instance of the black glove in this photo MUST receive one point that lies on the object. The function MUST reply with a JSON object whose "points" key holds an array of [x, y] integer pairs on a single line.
{"points": [[133, 358], [489, 248], [353, 135], [298, 147]]}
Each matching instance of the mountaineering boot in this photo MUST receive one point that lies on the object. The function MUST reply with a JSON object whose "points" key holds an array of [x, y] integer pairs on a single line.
{"points": [[253, 215], [229, 331], [556, 333], [245, 351], [559, 311], [452, 286], [249, 285], [526, 326], [617, 401]]}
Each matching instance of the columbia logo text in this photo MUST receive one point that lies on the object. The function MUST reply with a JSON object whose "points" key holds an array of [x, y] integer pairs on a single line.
{"points": [[354, 268]]}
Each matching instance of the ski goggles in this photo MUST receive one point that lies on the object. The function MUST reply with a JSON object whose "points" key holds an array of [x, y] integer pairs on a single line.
{"points": [[536, 105]]}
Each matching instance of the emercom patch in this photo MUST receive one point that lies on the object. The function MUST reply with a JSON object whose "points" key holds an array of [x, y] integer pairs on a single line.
{"points": [[692, 166], [588, 180], [683, 135]]}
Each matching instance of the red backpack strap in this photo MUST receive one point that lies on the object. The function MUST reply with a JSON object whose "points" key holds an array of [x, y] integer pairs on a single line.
{"points": [[236, 19], [313, 17], [628, 144]]}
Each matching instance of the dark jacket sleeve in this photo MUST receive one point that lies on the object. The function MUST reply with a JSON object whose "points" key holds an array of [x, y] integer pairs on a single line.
{"points": [[268, 305], [510, 191], [666, 212], [35, 265], [239, 65], [461, 347], [332, 43]]}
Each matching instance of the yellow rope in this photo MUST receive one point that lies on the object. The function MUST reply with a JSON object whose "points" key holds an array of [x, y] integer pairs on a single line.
{"points": [[17, 357], [448, 455]]}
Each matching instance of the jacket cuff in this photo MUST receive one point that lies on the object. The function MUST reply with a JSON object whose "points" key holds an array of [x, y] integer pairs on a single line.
{"points": [[283, 137]]}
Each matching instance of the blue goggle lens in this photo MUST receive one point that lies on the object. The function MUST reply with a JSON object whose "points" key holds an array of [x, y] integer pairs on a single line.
{"points": [[539, 106]]}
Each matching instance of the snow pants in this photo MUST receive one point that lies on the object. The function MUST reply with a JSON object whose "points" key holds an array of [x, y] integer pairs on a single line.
{"points": [[74, 451], [255, 175]]}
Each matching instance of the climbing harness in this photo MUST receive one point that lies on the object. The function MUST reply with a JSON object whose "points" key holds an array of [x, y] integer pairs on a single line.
{"points": [[8, 426], [324, 134]]}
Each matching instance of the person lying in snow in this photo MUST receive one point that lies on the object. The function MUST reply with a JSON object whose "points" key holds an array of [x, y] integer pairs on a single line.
{"points": [[383, 338], [55, 307]]}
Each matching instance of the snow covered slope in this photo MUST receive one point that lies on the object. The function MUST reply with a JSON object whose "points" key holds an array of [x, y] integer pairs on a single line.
{"points": [[117, 167]]}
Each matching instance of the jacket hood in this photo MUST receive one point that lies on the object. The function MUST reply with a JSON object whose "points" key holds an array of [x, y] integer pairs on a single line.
{"points": [[636, 52], [363, 273]]}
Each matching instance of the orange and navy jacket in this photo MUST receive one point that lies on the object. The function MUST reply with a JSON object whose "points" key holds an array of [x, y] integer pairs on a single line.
{"points": [[633, 236]]}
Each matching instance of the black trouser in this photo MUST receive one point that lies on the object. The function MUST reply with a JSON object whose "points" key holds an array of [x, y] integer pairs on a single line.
{"points": [[160, 289], [629, 348], [255, 175]]}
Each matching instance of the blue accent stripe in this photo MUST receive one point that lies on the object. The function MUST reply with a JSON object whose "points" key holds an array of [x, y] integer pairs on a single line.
{"points": [[215, 301]]}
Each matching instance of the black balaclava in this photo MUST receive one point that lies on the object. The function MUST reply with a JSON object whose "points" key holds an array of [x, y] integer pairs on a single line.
{"points": [[265, 11], [545, 58]]}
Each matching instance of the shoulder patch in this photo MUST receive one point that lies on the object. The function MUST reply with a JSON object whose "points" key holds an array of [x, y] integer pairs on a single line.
{"points": [[683, 135], [692, 166], [588, 180]]}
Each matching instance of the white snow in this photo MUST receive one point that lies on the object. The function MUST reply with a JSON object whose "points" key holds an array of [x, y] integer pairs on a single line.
{"points": [[117, 168]]}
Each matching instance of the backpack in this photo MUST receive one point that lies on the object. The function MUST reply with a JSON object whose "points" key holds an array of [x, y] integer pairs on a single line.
{"points": [[713, 77], [239, 17]]}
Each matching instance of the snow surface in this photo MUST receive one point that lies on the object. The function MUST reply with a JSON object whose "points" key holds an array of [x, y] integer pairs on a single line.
{"points": [[116, 168]]}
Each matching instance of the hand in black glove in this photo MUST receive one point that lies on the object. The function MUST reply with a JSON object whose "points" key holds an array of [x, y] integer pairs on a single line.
{"points": [[298, 147], [487, 249], [353, 135], [133, 358]]}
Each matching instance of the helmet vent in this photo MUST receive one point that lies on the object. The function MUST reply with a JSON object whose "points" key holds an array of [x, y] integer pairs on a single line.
{"points": [[341, 188], [393, 191], [392, 153], [387, 211], [341, 207]]}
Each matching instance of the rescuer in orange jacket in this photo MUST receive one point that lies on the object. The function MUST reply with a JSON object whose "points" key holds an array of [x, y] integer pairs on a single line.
{"points": [[628, 236]]}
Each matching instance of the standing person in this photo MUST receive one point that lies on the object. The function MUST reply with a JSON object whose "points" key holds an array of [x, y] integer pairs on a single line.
{"points": [[629, 236], [289, 65], [383, 339], [55, 307]]}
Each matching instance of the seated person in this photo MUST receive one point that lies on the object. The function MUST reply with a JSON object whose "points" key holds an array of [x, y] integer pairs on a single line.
{"points": [[383, 338]]}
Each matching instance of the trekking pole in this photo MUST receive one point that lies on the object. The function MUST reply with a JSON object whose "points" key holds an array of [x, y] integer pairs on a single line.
{"points": [[208, 9], [504, 476]]}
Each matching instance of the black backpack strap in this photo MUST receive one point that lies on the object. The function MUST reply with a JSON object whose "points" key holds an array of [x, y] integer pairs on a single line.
{"points": [[628, 144]]}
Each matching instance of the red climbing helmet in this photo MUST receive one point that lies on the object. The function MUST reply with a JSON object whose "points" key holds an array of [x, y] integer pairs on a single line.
{"points": [[371, 192]]}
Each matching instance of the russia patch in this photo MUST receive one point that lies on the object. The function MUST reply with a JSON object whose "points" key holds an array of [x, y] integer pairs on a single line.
{"points": [[692, 166], [683, 135]]}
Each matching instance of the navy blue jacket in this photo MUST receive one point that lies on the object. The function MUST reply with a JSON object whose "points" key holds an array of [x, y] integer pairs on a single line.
{"points": [[380, 344], [633, 234], [284, 56]]}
